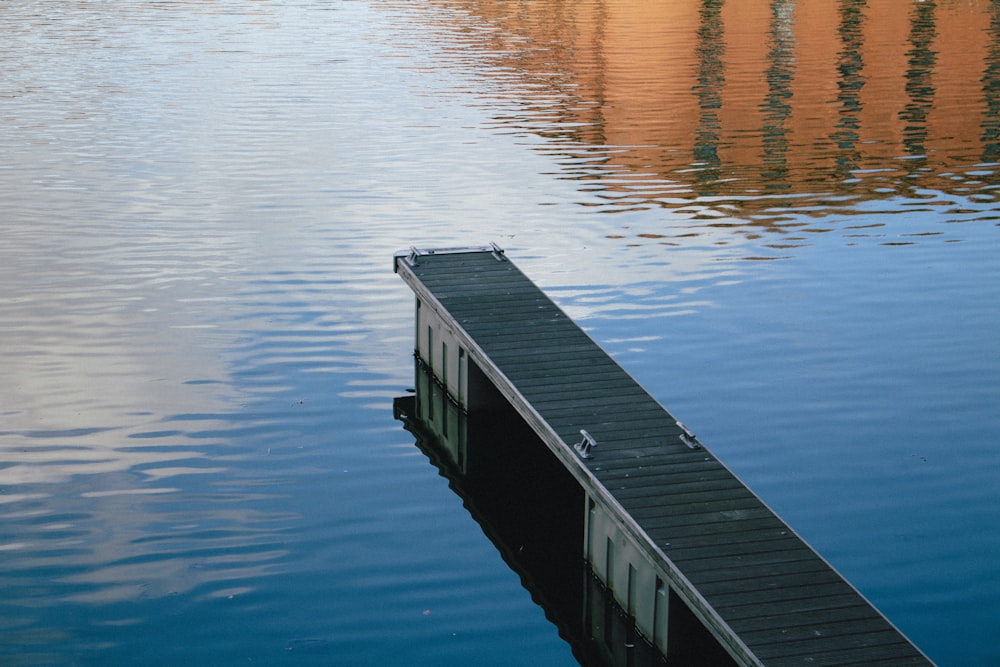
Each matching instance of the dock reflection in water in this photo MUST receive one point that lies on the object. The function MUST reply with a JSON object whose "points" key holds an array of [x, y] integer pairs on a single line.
{"points": [[531, 509]]}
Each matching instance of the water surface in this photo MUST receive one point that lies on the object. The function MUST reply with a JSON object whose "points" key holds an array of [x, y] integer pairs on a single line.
{"points": [[781, 219]]}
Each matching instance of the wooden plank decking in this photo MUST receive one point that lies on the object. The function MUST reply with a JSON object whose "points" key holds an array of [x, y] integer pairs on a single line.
{"points": [[760, 589]]}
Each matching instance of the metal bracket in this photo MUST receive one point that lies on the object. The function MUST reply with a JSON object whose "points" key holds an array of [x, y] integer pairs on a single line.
{"points": [[411, 259], [688, 438], [498, 252], [584, 446]]}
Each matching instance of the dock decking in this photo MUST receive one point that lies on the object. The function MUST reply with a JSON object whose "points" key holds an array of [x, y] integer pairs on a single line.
{"points": [[661, 510]]}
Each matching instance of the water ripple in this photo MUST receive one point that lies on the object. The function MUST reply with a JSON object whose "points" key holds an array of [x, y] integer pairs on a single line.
{"points": [[202, 336]]}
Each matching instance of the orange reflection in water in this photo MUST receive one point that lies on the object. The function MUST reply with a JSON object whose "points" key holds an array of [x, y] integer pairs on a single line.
{"points": [[808, 105]]}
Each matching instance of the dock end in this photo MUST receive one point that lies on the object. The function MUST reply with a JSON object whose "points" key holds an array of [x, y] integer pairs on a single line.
{"points": [[413, 255]]}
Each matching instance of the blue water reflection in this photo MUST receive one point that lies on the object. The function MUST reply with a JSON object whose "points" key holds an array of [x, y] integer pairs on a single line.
{"points": [[781, 218]]}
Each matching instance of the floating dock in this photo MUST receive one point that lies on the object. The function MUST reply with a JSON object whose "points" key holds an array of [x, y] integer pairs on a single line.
{"points": [[661, 514]]}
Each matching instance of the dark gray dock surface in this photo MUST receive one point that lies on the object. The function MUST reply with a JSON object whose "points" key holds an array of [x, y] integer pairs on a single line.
{"points": [[764, 593]]}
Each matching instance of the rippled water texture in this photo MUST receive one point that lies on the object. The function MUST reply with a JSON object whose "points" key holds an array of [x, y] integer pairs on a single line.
{"points": [[781, 217]]}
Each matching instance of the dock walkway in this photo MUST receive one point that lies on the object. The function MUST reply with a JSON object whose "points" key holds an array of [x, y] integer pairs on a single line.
{"points": [[661, 510]]}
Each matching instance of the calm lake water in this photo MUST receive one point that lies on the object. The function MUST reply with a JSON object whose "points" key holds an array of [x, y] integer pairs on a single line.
{"points": [[780, 217]]}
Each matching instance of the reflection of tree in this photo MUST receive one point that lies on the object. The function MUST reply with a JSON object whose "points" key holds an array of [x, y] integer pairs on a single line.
{"points": [[850, 65], [919, 84], [710, 80], [776, 108], [991, 90]]}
